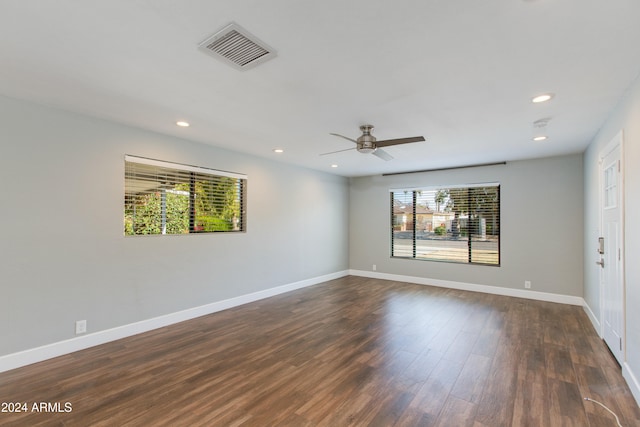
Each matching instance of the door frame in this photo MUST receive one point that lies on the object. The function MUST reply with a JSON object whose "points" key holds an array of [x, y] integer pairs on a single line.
{"points": [[616, 141]]}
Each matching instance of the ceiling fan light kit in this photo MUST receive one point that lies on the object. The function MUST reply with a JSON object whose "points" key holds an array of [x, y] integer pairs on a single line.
{"points": [[367, 143]]}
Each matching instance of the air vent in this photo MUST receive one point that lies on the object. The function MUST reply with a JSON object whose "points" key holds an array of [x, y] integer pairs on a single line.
{"points": [[236, 46]]}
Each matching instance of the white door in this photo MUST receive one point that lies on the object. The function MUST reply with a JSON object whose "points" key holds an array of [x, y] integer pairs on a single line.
{"points": [[610, 248]]}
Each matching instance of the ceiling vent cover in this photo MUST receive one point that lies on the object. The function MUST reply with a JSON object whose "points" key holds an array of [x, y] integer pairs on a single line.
{"points": [[236, 46]]}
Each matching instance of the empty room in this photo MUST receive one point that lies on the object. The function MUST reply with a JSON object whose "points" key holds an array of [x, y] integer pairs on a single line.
{"points": [[337, 213]]}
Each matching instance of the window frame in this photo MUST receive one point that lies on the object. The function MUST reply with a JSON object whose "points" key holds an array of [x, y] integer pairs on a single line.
{"points": [[411, 252], [194, 180]]}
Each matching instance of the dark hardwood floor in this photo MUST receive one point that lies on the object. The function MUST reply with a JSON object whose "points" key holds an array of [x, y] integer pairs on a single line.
{"points": [[353, 351]]}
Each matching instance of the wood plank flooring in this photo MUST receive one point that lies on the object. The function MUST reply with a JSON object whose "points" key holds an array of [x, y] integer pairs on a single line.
{"points": [[349, 352]]}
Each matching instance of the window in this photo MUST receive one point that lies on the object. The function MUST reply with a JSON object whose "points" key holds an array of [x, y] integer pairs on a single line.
{"points": [[170, 198], [610, 187], [451, 224]]}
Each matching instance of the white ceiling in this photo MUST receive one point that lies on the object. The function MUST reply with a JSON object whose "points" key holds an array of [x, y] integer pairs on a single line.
{"points": [[460, 72]]}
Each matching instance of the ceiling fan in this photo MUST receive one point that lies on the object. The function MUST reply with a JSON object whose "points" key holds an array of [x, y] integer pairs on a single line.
{"points": [[367, 143]]}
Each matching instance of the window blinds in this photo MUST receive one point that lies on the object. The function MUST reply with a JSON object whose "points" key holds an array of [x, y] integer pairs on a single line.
{"points": [[170, 198], [452, 224]]}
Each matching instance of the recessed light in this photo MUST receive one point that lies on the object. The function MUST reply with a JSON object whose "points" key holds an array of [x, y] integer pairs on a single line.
{"points": [[539, 138], [334, 165], [542, 98], [278, 150], [182, 124]]}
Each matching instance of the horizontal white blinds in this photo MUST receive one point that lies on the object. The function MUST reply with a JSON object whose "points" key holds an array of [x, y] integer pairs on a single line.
{"points": [[169, 198], [178, 166], [434, 188]]}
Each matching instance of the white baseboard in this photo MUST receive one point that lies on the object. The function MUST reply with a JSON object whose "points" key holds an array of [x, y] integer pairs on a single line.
{"points": [[496, 290], [39, 354], [594, 320], [632, 381], [627, 373]]}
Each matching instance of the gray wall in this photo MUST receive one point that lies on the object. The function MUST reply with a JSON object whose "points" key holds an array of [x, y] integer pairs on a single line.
{"points": [[625, 117], [63, 256], [541, 225]]}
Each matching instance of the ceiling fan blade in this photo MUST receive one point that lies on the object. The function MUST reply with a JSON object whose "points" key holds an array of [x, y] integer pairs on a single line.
{"points": [[383, 155], [389, 142], [345, 137], [339, 151]]}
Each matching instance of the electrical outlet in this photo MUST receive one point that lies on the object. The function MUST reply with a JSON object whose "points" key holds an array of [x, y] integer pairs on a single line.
{"points": [[374, 267], [81, 327], [527, 284]]}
